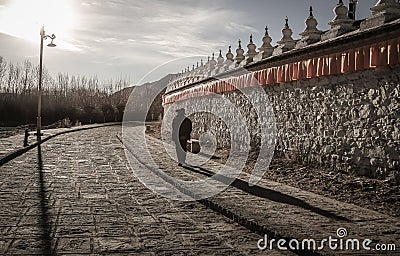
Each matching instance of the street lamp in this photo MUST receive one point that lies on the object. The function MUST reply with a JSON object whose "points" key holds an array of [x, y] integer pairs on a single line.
{"points": [[43, 37]]}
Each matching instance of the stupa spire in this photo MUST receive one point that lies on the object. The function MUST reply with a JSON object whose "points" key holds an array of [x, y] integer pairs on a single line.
{"points": [[266, 48], [220, 59], [229, 55], [251, 52], [287, 42], [311, 34], [384, 11], [239, 53], [341, 24]]}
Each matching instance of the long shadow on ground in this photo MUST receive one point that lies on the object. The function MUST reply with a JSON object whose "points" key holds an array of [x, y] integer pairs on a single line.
{"points": [[45, 225], [266, 193]]}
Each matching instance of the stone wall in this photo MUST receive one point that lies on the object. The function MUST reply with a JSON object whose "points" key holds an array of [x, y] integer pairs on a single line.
{"points": [[347, 123]]}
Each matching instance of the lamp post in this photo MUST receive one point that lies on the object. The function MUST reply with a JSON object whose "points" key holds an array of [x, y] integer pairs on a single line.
{"points": [[352, 9], [43, 37]]}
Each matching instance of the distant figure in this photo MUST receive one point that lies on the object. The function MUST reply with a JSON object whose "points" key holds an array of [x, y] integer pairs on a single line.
{"points": [[181, 129], [26, 138]]}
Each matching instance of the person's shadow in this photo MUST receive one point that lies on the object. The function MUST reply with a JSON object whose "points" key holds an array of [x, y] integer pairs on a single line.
{"points": [[44, 221], [265, 193]]}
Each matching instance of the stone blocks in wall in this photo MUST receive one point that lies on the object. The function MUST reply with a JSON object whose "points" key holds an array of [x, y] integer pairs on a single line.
{"points": [[349, 122]]}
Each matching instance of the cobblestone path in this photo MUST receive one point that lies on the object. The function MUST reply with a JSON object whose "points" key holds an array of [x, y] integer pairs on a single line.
{"points": [[77, 195], [15, 142], [284, 210]]}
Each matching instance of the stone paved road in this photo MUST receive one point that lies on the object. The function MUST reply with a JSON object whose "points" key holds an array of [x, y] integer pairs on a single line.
{"points": [[77, 195], [15, 142], [284, 210]]}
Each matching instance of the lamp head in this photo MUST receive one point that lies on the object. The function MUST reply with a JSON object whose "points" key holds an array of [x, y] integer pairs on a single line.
{"points": [[52, 44], [52, 37]]}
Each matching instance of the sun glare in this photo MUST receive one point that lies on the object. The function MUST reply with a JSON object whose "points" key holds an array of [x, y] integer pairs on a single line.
{"points": [[24, 18]]}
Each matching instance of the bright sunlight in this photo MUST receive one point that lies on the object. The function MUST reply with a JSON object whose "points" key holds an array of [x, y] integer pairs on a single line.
{"points": [[24, 18]]}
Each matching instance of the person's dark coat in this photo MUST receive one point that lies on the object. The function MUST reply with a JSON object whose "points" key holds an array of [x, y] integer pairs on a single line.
{"points": [[181, 129]]}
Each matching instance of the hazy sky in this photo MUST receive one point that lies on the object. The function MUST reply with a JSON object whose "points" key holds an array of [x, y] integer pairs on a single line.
{"points": [[128, 38]]}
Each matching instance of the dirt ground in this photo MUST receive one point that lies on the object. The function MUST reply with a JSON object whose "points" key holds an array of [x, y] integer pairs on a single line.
{"points": [[380, 195]]}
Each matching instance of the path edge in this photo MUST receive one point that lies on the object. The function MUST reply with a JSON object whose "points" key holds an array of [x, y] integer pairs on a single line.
{"points": [[19, 152]]}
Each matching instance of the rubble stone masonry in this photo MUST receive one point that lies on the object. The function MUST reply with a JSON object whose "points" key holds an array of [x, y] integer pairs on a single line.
{"points": [[348, 122], [335, 98]]}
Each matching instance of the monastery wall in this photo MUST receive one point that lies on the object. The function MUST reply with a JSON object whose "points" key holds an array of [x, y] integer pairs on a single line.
{"points": [[334, 94]]}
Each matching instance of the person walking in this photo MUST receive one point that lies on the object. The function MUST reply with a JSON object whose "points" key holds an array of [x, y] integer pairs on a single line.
{"points": [[26, 137], [181, 130]]}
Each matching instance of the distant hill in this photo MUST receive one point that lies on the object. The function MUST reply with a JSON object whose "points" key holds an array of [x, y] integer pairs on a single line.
{"points": [[10, 43], [144, 96]]}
